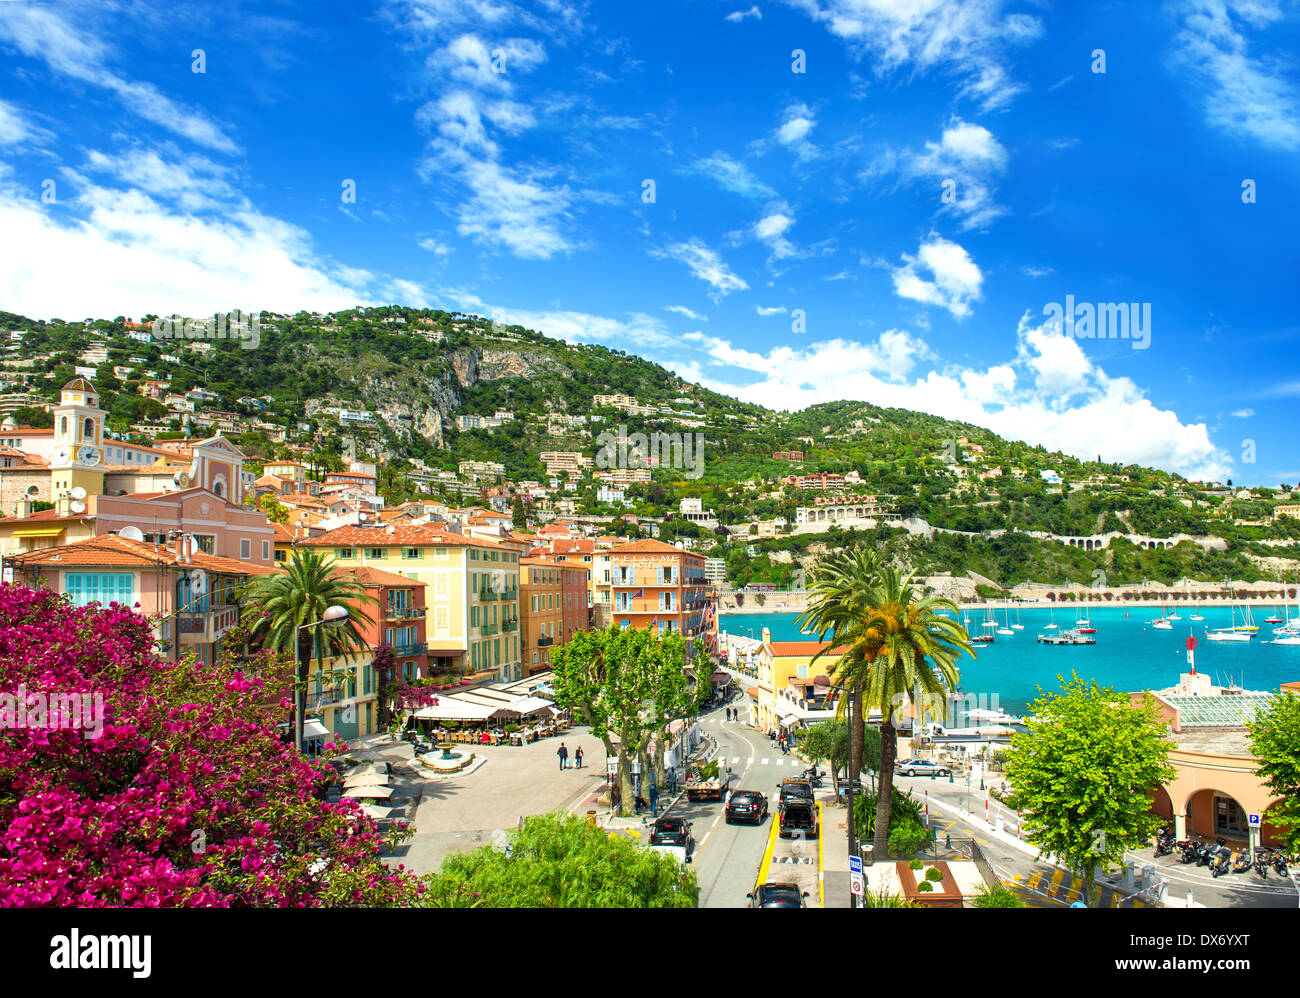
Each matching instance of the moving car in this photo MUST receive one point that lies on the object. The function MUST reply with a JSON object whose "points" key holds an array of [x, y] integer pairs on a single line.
{"points": [[746, 805], [674, 832], [922, 767], [777, 896], [798, 816]]}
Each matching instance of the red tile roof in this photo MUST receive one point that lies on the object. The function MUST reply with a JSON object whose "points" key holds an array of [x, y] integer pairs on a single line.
{"points": [[400, 535], [118, 551], [378, 577]]}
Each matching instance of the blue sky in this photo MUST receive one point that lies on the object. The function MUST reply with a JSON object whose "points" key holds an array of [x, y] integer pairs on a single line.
{"points": [[893, 223]]}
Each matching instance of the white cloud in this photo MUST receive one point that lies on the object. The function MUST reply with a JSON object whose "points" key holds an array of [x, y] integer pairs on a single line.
{"points": [[968, 156], [14, 128], [118, 250], [733, 176], [435, 246], [1241, 94], [39, 33], [774, 310], [1096, 414], [1032, 270], [771, 228], [968, 38], [1243, 413], [736, 16], [705, 264], [683, 310], [793, 131], [955, 280]]}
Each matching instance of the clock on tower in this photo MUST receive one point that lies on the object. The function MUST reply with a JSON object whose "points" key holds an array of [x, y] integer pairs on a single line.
{"points": [[78, 455]]}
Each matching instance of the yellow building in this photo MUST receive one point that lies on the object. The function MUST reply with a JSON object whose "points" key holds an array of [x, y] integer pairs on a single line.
{"points": [[77, 460], [472, 590], [791, 689]]}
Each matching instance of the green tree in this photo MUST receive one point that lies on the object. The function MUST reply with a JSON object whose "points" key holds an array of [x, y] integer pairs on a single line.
{"points": [[276, 511], [288, 614], [559, 861], [1275, 742], [1082, 776]]}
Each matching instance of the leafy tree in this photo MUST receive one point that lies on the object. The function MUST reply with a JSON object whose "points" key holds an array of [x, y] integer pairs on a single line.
{"points": [[1275, 742], [622, 681], [276, 511], [30, 415], [288, 613], [559, 861], [1082, 775]]}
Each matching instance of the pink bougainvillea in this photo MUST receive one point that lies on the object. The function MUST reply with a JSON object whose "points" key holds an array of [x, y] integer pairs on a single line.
{"points": [[181, 794]]}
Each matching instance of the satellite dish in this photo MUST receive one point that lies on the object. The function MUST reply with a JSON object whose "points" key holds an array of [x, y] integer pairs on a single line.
{"points": [[391, 529], [131, 533], [362, 517], [78, 493], [181, 479], [78, 507]]}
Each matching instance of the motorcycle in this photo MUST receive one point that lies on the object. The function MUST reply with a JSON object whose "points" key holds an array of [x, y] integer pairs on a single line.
{"points": [[1261, 863], [1191, 852], [1222, 861], [813, 777], [1165, 842], [1279, 864], [1243, 862], [1207, 853]]}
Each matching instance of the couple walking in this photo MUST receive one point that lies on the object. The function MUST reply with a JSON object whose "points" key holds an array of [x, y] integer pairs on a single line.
{"points": [[563, 753]]}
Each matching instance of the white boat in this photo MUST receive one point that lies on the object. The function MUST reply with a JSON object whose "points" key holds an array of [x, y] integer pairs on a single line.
{"points": [[1163, 623], [1052, 625], [1018, 625], [1286, 639], [1006, 628], [1193, 615], [1227, 634]]}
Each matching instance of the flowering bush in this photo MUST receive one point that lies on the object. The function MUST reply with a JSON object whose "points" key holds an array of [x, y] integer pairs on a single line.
{"points": [[185, 797]]}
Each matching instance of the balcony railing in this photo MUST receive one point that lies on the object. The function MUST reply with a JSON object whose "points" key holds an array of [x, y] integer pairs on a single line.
{"points": [[487, 629], [509, 625], [405, 613], [544, 641], [414, 648]]}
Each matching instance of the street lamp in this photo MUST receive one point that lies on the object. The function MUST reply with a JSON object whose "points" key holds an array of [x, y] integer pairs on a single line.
{"points": [[332, 615]]}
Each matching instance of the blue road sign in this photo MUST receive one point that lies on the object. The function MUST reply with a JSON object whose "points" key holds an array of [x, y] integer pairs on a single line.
{"points": [[855, 864]]}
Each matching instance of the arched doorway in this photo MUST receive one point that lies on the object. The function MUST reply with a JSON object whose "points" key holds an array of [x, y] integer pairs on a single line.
{"points": [[1213, 814], [1161, 804]]}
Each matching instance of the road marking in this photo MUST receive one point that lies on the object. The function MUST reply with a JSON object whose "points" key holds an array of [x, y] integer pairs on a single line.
{"points": [[780, 762], [735, 759], [821, 872], [749, 761], [764, 762], [767, 857]]}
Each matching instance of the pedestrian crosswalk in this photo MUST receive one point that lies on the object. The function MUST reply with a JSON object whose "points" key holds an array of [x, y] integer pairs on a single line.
{"points": [[1042, 887], [764, 762]]}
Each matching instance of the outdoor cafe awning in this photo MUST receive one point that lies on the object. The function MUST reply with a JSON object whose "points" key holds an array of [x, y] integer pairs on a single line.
{"points": [[526, 707], [382, 793], [451, 709], [789, 721]]}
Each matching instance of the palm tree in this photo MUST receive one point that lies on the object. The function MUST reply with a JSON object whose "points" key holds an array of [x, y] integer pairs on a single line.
{"points": [[290, 613], [919, 639]]}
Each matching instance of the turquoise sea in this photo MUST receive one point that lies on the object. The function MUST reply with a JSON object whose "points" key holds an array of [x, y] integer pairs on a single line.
{"points": [[1128, 655]]}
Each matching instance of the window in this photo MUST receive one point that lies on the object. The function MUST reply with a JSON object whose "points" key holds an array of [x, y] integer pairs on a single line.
{"points": [[1228, 815], [440, 552], [376, 554], [207, 543], [84, 588], [245, 549], [345, 552], [411, 554], [440, 618], [440, 584], [266, 550]]}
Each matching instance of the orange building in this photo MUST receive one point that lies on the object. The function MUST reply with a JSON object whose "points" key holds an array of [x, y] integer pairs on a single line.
{"points": [[654, 584], [575, 590], [397, 619], [541, 604]]}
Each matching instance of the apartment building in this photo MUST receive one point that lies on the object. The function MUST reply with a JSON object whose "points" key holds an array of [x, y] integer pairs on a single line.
{"points": [[654, 584], [575, 591], [474, 470], [472, 590], [542, 610]]}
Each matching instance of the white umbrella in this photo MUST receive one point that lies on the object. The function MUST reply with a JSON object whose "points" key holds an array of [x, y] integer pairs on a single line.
{"points": [[379, 793], [366, 780]]}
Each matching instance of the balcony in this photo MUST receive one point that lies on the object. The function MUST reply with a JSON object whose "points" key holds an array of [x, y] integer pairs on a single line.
{"points": [[544, 641], [509, 625], [487, 630], [203, 626], [399, 613], [486, 595], [414, 648]]}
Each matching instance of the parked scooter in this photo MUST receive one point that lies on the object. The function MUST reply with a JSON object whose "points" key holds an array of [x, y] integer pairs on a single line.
{"points": [[1190, 851], [1279, 864], [1243, 862], [1222, 861], [1208, 853], [1165, 842], [1261, 862]]}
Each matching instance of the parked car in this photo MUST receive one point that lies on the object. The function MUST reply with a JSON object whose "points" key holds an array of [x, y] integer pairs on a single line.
{"points": [[798, 815], [791, 789], [673, 832], [777, 896], [746, 805], [923, 767]]}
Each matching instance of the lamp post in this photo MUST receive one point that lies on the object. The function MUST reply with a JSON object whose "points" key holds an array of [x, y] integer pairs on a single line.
{"points": [[853, 825], [331, 615]]}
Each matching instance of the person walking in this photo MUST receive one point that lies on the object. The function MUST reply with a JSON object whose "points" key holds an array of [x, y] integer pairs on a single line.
{"points": [[577, 757], [563, 753], [654, 801]]}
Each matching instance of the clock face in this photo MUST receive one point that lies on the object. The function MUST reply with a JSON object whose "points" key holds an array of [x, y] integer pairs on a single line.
{"points": [[61, 455], [88, 455]]}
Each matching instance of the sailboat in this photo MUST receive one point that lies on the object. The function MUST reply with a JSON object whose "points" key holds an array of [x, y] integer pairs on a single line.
{"points": [[1018, 625], [1275, 619], [1082, 624], [1052, 625], [1163, 624], [1235, 632], [1006, 624], [1289, 632], [980, 639]]}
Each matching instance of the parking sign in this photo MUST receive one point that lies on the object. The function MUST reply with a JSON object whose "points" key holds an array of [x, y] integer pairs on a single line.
{"points": [[1253, 819]]}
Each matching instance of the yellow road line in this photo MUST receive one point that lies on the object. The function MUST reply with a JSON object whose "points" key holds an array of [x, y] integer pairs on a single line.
{"points": [[821, 875], [767, 855]]}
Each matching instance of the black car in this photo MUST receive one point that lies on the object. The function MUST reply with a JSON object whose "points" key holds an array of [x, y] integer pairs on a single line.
{"points": [[798, 816], [672, 832], [777, 896], [746, 805], [795, 789]]}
